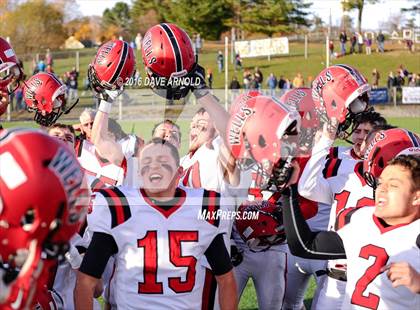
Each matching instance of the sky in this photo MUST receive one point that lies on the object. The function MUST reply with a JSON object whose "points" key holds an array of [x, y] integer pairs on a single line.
{"points": [[371, 18]]}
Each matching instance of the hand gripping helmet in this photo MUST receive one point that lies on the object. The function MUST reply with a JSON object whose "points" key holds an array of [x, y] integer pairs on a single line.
{"points": [[263, 232], [113, 65], [301, 99], [41, 203], [386, 145], [269, 131], [44, 94], [10, 70], [340, 91], [168, 55]]}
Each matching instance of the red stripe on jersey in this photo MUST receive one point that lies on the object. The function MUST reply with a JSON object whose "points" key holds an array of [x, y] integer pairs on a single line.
{"points": [[308, 208], [209, 291], [196, 181], [117, 204], [382, 228], [186, 177]]}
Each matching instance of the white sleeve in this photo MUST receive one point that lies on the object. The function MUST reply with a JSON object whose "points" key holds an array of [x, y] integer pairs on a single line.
{"points": [[312, 185], [99, 219]]}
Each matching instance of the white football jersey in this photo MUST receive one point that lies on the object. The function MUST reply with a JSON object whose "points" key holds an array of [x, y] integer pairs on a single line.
{"points": [[99, 172], [369, 246], [202, 169], [158, 250]]}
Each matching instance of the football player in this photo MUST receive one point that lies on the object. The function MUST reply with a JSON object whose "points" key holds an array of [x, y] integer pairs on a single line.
{"points": [[43, 203], [64, 133], [158, 239], [169, 131], [10, 73], [373, 240]]}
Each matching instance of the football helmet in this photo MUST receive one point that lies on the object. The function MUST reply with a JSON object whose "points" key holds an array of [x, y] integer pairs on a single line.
{"points": [[340, 91], [44, 94], [269, 131], [10, 70], [113, 65], [301, 99], [384, 146], [43, 197], [168, 55], [265, 231]]}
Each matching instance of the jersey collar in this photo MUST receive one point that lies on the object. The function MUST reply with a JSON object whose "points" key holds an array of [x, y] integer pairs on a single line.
{"points": [[166, 212]]}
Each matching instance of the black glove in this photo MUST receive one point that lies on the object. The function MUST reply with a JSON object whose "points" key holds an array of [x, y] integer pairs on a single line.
{"points": [[198, 85], [236, 257]]}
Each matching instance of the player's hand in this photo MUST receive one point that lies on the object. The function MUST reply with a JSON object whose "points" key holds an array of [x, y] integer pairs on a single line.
{"points": [[403, 274], [4, 102], [73, 257], [329, 130], [199, 86]]}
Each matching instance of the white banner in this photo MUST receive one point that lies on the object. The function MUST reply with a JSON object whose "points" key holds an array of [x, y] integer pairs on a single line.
{"points": [[263, 47], [411, 95]]}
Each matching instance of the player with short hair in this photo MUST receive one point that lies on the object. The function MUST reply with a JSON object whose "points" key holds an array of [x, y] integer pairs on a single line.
{"points": [[64, 133], [156, 223], [380, 243], [169, 131]]}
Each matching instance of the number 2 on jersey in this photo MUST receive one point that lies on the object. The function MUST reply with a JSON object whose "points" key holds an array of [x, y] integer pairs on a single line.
{"points": [[370, 301], [150, 285]]}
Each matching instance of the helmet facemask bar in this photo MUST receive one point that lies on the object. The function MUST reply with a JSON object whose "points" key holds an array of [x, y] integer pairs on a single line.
{"points": [[9, 76], [99, 86]]}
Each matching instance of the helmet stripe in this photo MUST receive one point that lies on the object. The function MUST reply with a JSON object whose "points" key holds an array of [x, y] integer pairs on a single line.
{"points": [[413, 138], [356, 76], [175, 47], [121, 64]]}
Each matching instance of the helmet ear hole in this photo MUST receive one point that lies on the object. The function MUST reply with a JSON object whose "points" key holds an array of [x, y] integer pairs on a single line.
{"points": [[381, 163], [28, 219], [261, 141], [334, 104]]}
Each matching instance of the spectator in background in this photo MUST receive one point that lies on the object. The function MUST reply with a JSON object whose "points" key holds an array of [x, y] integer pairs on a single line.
{"points": [[20, 105], [48, 58], [410, 45], [210, 78], [287, 84], [331, 48], [413, 80], [381, 41], [258, 75], [254, 85], [138, 40], [353, 41], [298, 81], [235, 87], [392, 80], [220, 61], [282, 81], [343, 41], [310, 80], [272, 84], [368, 42], [72, 83], [238, 61], [375, 78], [360, 42], [247, 77], [49, 69], [198, 43], [418, 80], [41, 66]]}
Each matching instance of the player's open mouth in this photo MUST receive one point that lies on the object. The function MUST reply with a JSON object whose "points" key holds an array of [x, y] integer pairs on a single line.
{"points": [[154, 178], [381, 202]]}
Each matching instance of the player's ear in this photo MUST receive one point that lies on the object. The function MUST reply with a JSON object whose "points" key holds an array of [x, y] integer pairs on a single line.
{"points": [[180, 171], [416, 200]]}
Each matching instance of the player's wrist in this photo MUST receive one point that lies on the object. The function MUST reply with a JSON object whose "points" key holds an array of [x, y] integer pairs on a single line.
{"points": [[105, 107]]}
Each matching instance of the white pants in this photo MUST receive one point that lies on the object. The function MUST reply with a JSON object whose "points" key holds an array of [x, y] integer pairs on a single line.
{"points": [[299, 272], [329, 294], [267, 270]]}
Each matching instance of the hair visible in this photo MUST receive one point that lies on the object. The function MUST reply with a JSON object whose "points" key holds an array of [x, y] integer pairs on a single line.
{"points": [[412, 163], [62, 126], [160, 141]]}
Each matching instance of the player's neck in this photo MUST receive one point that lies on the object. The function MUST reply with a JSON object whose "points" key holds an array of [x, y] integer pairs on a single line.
{"points": [[162, 196]]}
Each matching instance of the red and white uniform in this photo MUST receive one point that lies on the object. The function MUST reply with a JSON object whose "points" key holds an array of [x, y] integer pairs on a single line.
{"points": [[369, 246], [202, 168], [169, 243], [334, 176]]}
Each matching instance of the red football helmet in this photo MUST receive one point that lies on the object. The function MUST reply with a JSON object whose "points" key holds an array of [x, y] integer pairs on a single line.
{"points": [[168, 53], [10, 70], [44, 94], [301, 99], [265, 231], [340, 91], [386, 145], [240, 110], [113, 65], [43, 198]]}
